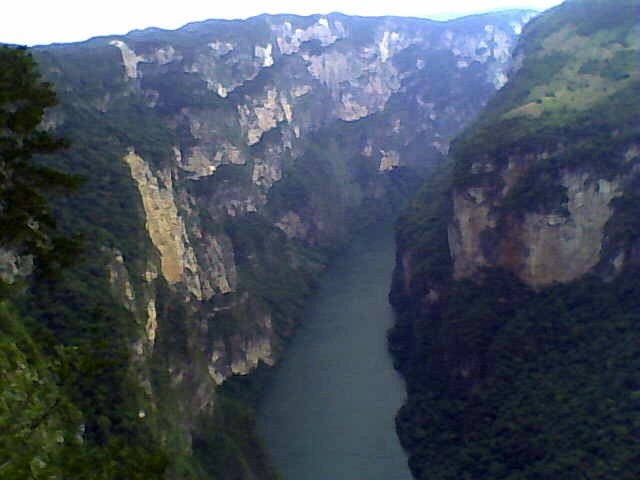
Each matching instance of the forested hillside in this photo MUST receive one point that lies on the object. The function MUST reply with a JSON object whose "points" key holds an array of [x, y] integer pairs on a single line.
{"points": [[517, 279], [59, 389], [216, 169]]}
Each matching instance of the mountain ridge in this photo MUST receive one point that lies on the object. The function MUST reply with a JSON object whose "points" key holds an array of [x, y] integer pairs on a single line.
{"points": [[522, 243], [222, 168]]}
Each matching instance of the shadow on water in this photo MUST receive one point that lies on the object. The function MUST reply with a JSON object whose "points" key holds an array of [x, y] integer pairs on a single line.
{"points": [[328, 410]]}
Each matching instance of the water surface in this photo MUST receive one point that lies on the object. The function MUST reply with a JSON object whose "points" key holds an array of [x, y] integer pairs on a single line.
{"points": [[328, 412]]}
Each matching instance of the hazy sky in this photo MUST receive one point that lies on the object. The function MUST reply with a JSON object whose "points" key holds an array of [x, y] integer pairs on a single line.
{"points": [[32, 22]]}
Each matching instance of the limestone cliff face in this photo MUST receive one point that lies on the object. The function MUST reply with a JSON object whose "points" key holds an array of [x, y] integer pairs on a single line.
{"points": [[525, 240], [298, 74], [248, 150], [241, 112], [536, 185], [215, 273], [242, 352], [166, 228], [543, 184], [541, 248]]}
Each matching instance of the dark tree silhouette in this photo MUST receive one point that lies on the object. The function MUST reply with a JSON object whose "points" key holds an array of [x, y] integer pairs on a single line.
{"points": [[26, 223]]}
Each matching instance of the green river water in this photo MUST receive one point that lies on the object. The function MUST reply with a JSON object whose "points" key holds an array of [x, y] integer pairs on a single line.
{"points": [[328, 411]]}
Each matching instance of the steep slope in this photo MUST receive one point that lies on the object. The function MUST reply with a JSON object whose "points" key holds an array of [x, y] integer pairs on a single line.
{"points": [[43, 383], [224, 162], [517, 274]]}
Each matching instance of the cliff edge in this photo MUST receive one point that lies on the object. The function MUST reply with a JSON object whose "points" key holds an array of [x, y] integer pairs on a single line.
{"points": [[516, 280]]}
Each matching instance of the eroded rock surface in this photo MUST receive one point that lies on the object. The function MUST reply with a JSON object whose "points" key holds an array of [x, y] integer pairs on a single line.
{"points": [[252, 147]]}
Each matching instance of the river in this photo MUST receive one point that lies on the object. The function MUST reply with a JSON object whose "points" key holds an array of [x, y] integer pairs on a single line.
{"points": [[328, 411]]}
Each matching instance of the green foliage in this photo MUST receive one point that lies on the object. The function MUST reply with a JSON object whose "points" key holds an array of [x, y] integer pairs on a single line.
{"points": [[422, 231], [38, 423], [24, 185], [323, 183], [505, 382], [423, 261], [575, 97], [588, 16], [179, 89], [66, 407], [227, 445], [80, 308], [76, 309], [332, 185], [539, 190], [283, 286], [623, 227], [553, 390], [44, 435]]}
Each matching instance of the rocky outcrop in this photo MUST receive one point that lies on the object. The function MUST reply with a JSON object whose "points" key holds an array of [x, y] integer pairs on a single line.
{"points": [[540, 248], [562, 248], [542, 186], [13, 266], [310, 87], [251, 148], [168, 232], [244, 350], [164, 224], [264, 114], [120, 282], [539, 199], [518, 261], [129, 58]]}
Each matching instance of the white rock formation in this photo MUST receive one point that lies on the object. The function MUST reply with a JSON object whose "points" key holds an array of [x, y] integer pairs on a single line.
{"points": [[129, 58]]}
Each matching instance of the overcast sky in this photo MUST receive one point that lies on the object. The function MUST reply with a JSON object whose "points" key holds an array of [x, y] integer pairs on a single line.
{"points": [[32, 22]]}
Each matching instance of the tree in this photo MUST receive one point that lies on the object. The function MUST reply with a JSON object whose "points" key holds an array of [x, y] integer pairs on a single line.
{"points": [[44, 416], [26, 223]]}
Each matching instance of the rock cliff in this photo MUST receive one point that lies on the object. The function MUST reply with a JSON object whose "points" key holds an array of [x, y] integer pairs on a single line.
{"points": [[225, 160], [515, 249]]}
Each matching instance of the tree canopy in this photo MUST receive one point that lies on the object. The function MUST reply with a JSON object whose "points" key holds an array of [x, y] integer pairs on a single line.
{"points": [[25, 218]]}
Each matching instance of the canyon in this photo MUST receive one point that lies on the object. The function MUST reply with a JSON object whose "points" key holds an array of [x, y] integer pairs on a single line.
{"points": [[220, 168], [224, 164]]}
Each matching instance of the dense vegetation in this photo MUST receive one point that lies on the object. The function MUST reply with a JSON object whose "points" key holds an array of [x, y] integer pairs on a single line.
{"points": [[65, 408], [73, 317], [574, 97], [511, 384], [132, 403], [71, 406], [506, 382]]}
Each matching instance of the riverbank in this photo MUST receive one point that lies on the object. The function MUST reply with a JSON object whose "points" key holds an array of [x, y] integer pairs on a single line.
{"points": [[328, 409]]}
